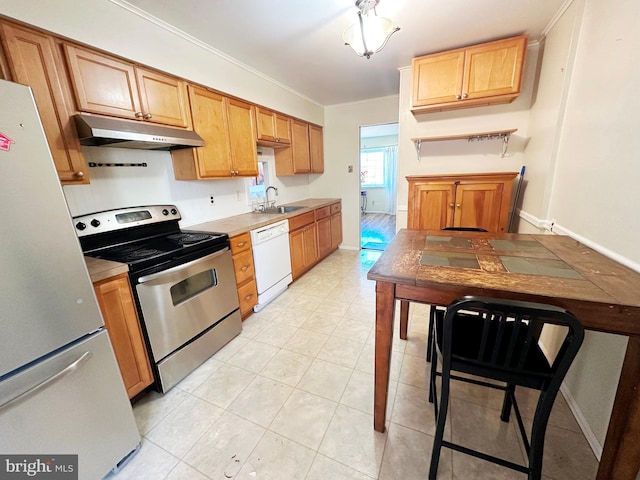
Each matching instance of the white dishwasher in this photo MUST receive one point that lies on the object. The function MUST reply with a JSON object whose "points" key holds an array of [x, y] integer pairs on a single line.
{"points": [[271, 260]]}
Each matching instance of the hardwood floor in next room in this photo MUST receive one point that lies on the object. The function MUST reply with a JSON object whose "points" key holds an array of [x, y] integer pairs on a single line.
{"points": [[376, 230]]}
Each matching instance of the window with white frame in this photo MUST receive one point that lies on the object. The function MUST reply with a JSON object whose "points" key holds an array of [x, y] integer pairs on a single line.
{"points": [[372, 167]]}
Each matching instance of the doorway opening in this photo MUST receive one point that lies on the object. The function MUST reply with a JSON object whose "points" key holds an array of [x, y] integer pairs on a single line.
{"points": [[378, 178]]}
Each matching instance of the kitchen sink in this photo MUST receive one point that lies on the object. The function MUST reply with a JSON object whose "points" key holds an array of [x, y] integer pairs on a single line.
{"points": [[285, 209]]}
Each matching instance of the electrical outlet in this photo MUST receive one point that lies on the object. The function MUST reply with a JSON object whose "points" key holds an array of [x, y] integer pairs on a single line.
{"points": [[212, 200]]}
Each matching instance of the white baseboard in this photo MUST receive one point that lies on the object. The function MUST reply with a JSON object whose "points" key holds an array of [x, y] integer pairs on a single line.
{"points": [[582, 422]]}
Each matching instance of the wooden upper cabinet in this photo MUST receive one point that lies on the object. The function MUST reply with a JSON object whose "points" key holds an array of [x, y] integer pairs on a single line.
{"points": [[33, 59], [272, 129], [480, 200], [164, 98], [283, 129], [437, 78], [227, 127], [244, 154], [300, 146], [109, 86], [316, 149], [485, 74]]}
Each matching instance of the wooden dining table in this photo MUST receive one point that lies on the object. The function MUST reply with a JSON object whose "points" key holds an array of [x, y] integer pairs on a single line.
{"points": [[437, 267]]}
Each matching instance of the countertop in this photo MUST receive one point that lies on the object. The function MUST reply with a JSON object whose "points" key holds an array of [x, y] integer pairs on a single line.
{"points": [[100, 269], [238, 224]]}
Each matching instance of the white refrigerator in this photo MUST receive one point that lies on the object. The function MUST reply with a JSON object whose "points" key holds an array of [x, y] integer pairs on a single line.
{"points": [[61, 392]]}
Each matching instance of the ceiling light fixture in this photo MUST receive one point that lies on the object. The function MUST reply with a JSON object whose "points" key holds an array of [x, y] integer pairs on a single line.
{"points": [[371, 32]]}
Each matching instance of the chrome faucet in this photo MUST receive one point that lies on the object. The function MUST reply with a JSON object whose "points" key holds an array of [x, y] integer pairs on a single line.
{"points": [[266, 196]]}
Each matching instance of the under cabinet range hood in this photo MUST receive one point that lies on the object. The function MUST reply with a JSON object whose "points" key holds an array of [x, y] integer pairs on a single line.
{"points": [[98, 131]]}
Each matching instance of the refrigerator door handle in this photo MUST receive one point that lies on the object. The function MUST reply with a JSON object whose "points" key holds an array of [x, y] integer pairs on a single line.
{"points": [[69, 369]]}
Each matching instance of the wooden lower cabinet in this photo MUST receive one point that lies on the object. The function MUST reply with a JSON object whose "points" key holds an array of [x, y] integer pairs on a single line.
{"points": [[121, 320], [245, 272], [303, 243], [468, 200], [313, 236], [323, 229]]}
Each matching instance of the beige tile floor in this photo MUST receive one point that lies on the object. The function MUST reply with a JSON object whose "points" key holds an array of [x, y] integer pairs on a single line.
{"points": [[292, 398]]}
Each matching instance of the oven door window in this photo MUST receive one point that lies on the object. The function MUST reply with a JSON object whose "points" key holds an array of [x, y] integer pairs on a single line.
{"points": [[193, 286]]}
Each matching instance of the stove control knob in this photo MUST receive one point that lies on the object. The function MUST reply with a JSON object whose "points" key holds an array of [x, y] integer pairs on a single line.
{"points": [[95, 222], [174, 211], [165, 212], [80, 226]]}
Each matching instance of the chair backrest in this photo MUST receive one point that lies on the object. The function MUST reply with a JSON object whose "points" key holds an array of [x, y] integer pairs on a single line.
{"points": [[465, 229], [499, 339]]}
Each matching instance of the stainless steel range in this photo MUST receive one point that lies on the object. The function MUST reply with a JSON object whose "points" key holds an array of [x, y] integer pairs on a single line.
{"points": [[184, 283]]}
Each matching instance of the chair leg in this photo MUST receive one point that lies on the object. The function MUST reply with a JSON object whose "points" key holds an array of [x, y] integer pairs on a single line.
{"points": [[432, 377], [432, 315], [441, 419], [538, 432], [507, 403]]}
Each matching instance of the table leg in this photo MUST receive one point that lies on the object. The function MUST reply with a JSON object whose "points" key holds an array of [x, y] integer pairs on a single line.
{"points": [[385, 304], [404, 318], [621, 453]]}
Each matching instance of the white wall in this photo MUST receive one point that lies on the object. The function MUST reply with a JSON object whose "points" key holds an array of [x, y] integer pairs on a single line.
{"points": [[341, 150], [584, 148]]}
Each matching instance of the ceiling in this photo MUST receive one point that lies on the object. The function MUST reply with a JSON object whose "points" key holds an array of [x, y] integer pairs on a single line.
{"points": [[299, 43]]}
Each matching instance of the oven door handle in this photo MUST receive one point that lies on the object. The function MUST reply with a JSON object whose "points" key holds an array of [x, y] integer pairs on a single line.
{"points": [[184, 266]]}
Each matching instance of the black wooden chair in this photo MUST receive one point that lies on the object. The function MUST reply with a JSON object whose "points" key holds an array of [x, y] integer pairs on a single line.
{"points": [[498, 340], [432, 310]]}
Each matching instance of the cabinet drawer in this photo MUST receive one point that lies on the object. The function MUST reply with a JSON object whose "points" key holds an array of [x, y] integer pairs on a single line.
{"points": [[336, 207], [323, 212], [240, 243], [301, 220], [243, 266], [248, 297]]}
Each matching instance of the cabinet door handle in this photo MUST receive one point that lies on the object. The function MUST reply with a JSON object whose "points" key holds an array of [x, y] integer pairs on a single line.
{"points": [[465, 95], [139, 115], [451, 205], [458, 97], [249, 297], [244, 268], [78, 174], [241, 244], [457, 205], [147, 116]]}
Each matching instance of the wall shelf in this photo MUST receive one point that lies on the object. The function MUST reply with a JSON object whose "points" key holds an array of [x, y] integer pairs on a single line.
{"points": [[504, 135]]}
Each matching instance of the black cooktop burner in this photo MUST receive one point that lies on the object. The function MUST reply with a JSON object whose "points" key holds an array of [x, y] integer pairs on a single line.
{"points": [[146, 252], [186, 238]]}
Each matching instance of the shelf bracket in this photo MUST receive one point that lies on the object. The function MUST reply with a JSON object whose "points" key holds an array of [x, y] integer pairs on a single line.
{"points": [[418, 144]]}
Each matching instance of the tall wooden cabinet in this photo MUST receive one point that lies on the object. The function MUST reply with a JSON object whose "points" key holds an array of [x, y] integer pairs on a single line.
{"points": [[121, 320], [227, 127], [484, 74], [33, 59], [479, 200]]}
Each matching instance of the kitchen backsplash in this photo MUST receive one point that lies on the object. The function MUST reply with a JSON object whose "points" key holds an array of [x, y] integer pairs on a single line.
{"points": [[128, 186]]}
